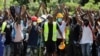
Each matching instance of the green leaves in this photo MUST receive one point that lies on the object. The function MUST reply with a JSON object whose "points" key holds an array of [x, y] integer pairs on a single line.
{"points": [[1, 4], [22, 2], [91, 6], [34, 4]]}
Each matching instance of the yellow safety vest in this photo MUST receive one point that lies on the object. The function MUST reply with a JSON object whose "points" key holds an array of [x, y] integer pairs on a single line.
{"points": [[46, 31], [67, 31]]}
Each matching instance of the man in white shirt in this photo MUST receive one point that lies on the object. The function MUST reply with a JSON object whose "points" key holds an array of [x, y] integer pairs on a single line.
{"points": [[86, 40], [87, 33]]}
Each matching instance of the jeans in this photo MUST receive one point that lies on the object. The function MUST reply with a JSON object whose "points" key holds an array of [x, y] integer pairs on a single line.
{"points": [[1, 46], [74, 49], [86, 49], [7, 50], [32, 51], [98, 49]]}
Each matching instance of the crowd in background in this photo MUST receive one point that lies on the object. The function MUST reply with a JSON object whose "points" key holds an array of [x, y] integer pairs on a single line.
{"points": [[52, 33]]}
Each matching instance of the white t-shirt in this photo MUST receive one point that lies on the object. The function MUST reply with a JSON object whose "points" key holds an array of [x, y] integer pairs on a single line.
{"points": [[87, 36], [19, 35], [62, 29]]}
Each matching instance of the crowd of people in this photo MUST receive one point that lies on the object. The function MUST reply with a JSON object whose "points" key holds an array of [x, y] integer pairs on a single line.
{"points": [[51, 33]]}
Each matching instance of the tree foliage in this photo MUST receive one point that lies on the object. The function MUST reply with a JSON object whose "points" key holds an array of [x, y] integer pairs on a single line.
{"points": [[34, 4], [21, 2], [1, 4]]}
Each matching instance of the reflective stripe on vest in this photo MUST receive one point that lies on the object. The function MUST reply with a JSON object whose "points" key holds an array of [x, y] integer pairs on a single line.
{"points": [[67, 34], [46, 31], [3, 26]]}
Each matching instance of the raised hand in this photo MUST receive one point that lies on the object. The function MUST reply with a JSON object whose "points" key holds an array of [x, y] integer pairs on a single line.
{"points": [[58, 6], [43, 5], [76, 10], [79, 8]]}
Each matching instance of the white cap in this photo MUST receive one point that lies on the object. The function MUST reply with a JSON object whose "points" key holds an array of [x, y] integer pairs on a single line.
{"points": [[43, 17], [49, 15]]}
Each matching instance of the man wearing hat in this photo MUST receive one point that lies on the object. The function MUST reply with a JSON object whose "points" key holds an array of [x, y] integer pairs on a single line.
{"points": [[34, 31], [61, 22]]}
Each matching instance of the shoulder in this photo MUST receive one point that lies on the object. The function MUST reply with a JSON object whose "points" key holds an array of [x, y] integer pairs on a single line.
{"points": [[63, 21]]}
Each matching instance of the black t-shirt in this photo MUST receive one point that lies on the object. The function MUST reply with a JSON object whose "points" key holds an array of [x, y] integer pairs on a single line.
{"points": [[8, 34], [74, 32], [33, 36], [50, 34]]}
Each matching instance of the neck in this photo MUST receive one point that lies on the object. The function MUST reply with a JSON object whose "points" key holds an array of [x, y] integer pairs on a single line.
{"points": [[50, 22]]}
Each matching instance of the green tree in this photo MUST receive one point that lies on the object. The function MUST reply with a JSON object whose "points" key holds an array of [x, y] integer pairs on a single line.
{"points": [[22, 2], [91, 5], [96, 1], [1, 4]]}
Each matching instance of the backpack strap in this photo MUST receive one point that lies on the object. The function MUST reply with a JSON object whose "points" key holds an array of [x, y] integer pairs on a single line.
{"points": [[92, 32]]}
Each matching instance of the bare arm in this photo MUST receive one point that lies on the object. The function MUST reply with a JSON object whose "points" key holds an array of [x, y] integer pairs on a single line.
{"points": [[55, 13], [66, 15], [78, 18], [36, 14], [90, 17]]}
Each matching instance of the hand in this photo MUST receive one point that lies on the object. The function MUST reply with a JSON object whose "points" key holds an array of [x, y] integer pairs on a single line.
{"points": [[23, 9], [79, 8], [58, 6], [67, 13], [43, 5], [76, 10], [63, 5], [88, 12]]}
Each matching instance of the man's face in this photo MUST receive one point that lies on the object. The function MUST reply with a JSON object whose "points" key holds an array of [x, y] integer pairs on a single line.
{"points": [[59, 20], [50, 19], [86, 22], [34, 23]]}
